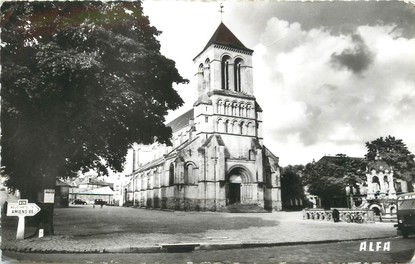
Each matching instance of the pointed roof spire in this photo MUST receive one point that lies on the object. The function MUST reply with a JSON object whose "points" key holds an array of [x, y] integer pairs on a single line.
{"points": [[223, 36]]}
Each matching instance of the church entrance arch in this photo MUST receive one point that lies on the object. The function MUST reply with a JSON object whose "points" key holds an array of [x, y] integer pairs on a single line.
{"points": [[235, 189], [237, 177]]}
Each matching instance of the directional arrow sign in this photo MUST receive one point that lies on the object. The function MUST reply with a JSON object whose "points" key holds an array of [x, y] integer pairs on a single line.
{"points": [[22, 208]]}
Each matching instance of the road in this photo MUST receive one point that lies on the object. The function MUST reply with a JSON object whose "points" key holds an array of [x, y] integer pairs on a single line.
{"points": [[401, 251], [81, 228]]}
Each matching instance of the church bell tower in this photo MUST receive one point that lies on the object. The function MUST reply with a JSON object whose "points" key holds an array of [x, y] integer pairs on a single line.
{"points": [[226, 102]]}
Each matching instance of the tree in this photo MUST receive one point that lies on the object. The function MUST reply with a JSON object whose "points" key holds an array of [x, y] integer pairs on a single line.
{"points": [[395, 153], [291, 183], [329, 177], [81, 81]]}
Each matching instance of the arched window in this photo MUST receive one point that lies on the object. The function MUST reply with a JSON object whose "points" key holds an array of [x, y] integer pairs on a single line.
{"points": [[171, 174], [235, 108], [249, 129], [227, 126], [157, 177], [237, 74], [227, 108], [241, 109], [241, 128], [225, 72], [248, 111], [220, 107], [207, 74], [235, 127], [386, 182], [376, 183], [189, 174], [200, 77]]}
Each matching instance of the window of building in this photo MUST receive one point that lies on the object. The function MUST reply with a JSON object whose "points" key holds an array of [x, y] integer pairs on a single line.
{"points": [[227, 126], [171, 174], [219, 125], [225, 72], [249, 129], [189, 174], [235, 110], [206, 119], [376, 183], [248, 111], [237, 74], [207, 74], [235, 127], [220, 107]]}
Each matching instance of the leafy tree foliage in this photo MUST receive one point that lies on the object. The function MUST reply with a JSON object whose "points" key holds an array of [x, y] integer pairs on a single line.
{"points": [[291, 183], [81, 81], [329, 177], [395, 153]]}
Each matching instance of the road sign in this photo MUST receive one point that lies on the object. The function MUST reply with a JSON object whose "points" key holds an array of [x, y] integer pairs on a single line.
{"points": [[22, 208], [49, 196]]}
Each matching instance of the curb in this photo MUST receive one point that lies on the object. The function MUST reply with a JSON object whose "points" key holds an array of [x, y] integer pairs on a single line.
{"points": [[185, 247], [412, 260]]}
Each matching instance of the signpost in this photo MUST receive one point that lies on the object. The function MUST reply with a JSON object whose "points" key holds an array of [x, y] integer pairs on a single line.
{"points": [[22, 209], [47, 196]]}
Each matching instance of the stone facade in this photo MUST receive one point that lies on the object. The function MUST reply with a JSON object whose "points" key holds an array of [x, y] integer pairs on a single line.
{"points": [[380, 181], [218, 157]]}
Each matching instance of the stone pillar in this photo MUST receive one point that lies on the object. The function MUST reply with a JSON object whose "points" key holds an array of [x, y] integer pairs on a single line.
{"points": [[247, 79], [382, 183], [206, 74], [231, 76], [370, 191], [392, 191]]}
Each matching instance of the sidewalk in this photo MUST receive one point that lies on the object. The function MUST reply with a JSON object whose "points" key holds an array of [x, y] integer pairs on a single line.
{"points": [[127, 230]]}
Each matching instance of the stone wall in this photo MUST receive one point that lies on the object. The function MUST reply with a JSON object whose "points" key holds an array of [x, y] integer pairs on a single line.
{"points": [[344, 214]]}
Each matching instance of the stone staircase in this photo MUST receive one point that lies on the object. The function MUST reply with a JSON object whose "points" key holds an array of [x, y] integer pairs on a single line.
{"points": [[242, 208]]}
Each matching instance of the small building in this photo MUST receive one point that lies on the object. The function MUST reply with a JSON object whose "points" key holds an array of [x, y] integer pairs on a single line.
{"points": [[90, 188], [382, 187], [62, 193], [105, 194]]}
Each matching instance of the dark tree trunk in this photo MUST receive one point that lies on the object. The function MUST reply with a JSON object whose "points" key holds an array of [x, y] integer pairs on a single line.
{"points": [[46, 219]]}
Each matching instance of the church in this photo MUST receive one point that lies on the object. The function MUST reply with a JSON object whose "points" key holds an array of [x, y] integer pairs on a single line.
{"points": [[218, 158]]}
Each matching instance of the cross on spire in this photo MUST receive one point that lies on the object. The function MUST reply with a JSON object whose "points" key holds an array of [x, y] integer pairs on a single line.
{"points": [[221, 11]]}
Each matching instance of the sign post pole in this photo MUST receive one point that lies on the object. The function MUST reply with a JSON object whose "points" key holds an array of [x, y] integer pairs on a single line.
{"points": [[20, 227]]}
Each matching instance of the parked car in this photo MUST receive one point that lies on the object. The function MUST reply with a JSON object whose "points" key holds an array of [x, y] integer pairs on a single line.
{"points": [[100, 202], [78, 201], [406, 214]]}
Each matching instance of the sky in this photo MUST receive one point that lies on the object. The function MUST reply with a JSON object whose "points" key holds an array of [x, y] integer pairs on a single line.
{"points": [[329, 76]]}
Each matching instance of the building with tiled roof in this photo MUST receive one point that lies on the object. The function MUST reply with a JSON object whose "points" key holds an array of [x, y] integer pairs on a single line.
{"points": [[218, 157]]}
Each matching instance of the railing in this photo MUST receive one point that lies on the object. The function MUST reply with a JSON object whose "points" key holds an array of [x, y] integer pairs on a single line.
{"points": [[345, 215]]}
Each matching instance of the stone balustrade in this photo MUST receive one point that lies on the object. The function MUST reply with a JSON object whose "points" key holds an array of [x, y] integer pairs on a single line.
{"points": [[344, 214]]}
